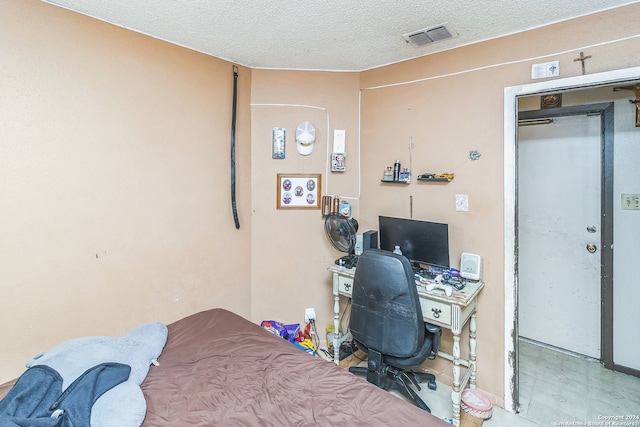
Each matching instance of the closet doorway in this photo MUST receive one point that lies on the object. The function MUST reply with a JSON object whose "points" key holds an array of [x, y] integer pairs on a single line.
{"points": [[512, 96], [564, 239]]}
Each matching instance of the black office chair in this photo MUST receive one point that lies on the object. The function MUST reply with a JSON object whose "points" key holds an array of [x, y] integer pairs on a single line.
{"points": [[386, 322]]}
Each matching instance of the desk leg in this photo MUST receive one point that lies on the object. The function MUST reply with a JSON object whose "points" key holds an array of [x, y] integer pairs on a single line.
{"points": [[455, 394], [472, 350], [336, 320], [336, 329]]}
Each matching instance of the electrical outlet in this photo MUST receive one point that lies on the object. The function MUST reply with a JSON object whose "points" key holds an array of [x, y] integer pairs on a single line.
{"points": [[309, 315]]}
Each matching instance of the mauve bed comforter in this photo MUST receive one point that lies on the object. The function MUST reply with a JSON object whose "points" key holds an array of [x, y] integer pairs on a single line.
{"points": [[219, 369]]}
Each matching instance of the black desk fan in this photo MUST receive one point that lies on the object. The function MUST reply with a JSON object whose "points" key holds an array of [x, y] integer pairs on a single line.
{"points": [[341, 232]]}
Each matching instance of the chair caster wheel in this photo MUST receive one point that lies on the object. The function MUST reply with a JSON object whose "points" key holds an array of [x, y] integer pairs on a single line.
{"points": [[432, 385]]}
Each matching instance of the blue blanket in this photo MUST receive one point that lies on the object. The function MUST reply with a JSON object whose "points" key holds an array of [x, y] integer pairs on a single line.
{"points": [[37, 399], [123, 405]]}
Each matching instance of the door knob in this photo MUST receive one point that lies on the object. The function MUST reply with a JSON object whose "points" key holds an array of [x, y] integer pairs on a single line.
{"points": [[592, 248], [591, 229]]}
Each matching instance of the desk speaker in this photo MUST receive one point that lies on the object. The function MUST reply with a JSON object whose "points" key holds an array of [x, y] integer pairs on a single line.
{"points": [[470, 266], [369, 240]]}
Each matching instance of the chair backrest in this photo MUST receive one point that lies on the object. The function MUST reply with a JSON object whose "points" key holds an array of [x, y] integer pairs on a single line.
{"points": [[385, 313]]}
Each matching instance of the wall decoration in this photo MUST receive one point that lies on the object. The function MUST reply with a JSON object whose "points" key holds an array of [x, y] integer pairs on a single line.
{"points": [[474, 155], [305, 137], [277, 143], [337, 162], [298, 191], [553, 100], [636, 102]]}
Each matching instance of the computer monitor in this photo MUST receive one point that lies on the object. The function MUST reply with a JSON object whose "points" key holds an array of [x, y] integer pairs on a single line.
{"points": [[423, 242]]}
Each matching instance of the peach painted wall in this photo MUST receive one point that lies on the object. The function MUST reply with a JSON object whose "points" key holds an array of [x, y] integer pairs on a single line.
{"points": [[114, 181], [290, 251], [114, 172], [451, 103]]}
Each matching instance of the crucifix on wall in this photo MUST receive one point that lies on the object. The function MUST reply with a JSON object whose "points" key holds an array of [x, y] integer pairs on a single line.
{"points": [[635, 102], [582, 59]]}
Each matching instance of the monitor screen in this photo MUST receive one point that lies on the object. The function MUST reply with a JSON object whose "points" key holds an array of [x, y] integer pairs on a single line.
{"points": [[422, 242]]}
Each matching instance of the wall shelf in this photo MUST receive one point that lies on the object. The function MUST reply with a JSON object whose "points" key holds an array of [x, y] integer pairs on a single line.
{"points": [[434, 179], [394, 182]]}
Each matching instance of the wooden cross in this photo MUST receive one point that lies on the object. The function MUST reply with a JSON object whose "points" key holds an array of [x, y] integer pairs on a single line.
{"points": [[636, 102], [582, 59]]}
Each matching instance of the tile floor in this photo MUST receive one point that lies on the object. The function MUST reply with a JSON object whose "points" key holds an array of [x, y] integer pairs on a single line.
{"points": [[556, 387]]}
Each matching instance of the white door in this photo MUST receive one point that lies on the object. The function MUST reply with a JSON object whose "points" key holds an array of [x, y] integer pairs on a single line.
{"points": [[559, 210]]}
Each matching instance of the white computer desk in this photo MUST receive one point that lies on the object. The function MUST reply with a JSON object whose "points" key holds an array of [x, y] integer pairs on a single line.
{"points": [[452, 313]]}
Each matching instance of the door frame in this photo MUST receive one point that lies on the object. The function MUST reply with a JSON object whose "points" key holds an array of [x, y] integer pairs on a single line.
{"points": [[605, 111], [511, 95]]}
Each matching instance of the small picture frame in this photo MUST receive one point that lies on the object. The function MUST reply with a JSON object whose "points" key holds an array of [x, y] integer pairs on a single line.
{"points": [[298, 191]]}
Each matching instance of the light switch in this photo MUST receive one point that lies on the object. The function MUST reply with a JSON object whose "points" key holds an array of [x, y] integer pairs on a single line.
{"points": [[462, 203]]}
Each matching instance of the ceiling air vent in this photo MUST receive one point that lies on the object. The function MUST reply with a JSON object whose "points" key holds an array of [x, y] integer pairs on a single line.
{"points": [[429, 35]]}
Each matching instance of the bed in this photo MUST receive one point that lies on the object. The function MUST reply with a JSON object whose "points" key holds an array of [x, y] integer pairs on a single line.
{"points": [[219, 369]]}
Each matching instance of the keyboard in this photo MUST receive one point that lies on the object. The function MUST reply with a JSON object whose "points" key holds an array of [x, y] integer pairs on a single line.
{"points": [[348, 261], [457, 282], [423, 272]]}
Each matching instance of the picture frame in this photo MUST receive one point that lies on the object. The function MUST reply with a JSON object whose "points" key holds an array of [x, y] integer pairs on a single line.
{"points": [[298, 191]]}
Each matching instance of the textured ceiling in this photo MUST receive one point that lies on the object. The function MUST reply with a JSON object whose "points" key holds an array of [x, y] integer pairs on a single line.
{"points": [[336, 35]]}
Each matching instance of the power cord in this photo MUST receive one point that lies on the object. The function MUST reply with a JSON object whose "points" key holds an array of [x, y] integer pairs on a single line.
{"points": [[314, 333], [326, 353]]}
